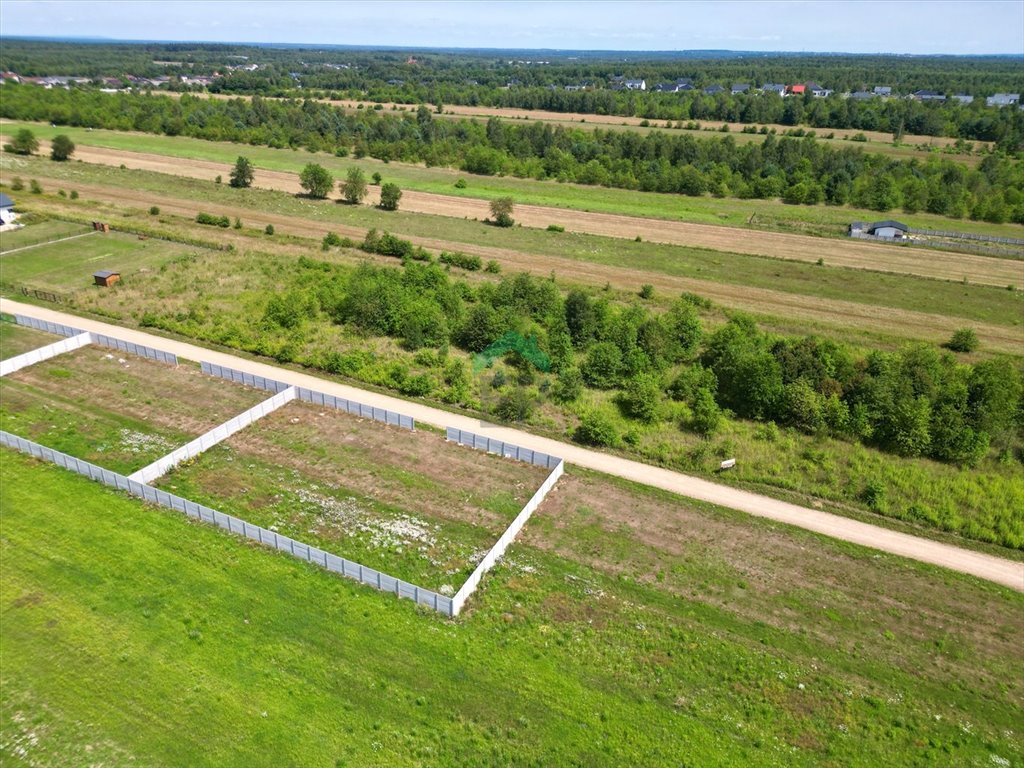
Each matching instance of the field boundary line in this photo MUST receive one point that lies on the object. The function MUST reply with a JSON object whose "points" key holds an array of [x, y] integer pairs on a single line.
{"points": [[46, 242]]}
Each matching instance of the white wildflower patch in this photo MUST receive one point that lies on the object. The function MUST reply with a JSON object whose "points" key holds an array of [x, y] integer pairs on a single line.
{"points": [[139, 442]]}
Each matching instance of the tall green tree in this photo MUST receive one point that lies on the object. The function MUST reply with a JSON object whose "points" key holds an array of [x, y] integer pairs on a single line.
{"points": [[316, 180], [61, 148], [353, 188], [390, 194], [242, 174], [24, 143], [501, 211]]}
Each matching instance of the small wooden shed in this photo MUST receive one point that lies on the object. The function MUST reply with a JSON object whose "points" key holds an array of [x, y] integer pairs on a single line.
{"points": [[106, 278]]}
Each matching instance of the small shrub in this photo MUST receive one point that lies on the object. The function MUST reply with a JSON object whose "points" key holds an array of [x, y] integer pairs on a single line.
{"points": [[269, 229], [330, 240], [154, 210], [874, 495], [34, 187], [74, 194], [556, 228], [461, 260], [238, 223], [492, 267], [218, 180], [17, 184], [638, 239], [61, 193], [213, 221], [596, 428], [461, 184], [376, 178], [963, 340], [859, 137], [647, 291]]}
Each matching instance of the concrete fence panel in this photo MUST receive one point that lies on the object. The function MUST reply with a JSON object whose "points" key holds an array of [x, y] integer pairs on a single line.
{"points": [[508, 450], [46, 325], [34, 356], [234, 525], [377, 414], [216, 435], [505, 540]]}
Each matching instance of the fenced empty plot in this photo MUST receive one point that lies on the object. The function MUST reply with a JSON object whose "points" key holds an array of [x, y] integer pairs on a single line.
{"points": [[407, 503], [315, 494], [115, 409]]}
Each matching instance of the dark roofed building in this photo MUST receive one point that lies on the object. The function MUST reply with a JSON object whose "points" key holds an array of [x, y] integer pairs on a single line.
{"points": [[7, 214], [106, 277], [713, 90], [926, 95], [889, 228], [740, 88]]}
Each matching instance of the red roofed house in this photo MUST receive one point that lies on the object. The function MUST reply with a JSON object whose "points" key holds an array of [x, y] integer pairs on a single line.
{"points": [[796, 90]]}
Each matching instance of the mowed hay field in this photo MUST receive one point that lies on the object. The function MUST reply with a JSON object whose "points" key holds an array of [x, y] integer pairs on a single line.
{"points": [[841, 252], [806, 294], [135, 636]]}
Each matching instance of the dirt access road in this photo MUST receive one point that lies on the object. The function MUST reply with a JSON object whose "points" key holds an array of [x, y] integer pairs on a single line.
{"points": [[792, 307], [989, 567], [879, 257]]}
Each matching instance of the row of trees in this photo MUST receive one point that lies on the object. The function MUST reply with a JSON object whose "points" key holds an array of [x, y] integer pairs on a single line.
{"points": [[799, 170], [26, 143]]}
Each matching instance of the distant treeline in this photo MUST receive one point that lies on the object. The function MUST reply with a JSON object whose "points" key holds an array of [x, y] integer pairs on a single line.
{"points": [[799, 170], [484, 79]]}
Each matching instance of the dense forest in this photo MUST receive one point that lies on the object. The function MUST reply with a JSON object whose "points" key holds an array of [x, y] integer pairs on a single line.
{"points": [[503, 79], [799, 170]]}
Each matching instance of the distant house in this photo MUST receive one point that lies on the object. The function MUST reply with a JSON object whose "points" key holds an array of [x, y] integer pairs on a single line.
{"points": [[862, 95], [681, 81], [893, 229], [926, 95], [1003, 99], [683, 87], [635, 85], [106, 278], [773, 88], [7, 214], [963, 98], [714, 90], [796, 90], [817, 91], [739, 88], [665, 88], [883, 91]]}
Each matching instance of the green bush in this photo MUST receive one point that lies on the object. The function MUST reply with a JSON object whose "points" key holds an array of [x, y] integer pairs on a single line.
{"points": [[154, 210], [963, 340], [461, 260], [213, 221], [492, 267], [596, 428], [460, 184], [647, 291], [269, 229], [34, 187], [556, 228]]}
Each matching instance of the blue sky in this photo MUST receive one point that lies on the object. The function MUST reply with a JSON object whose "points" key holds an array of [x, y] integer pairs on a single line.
{"points": [[857, 26]]}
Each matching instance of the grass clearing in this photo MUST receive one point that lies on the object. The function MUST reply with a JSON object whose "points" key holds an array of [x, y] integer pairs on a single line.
{"points": [[407, 503], [760, 214], [68, 266], [140, 636], [17, 339], [119, 411], [39, 232]]}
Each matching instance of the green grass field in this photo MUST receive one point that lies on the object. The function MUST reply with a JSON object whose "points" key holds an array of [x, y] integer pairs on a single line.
{"points": [[68, 266], [132, 635], [767, 214], [38, 232], [971, 302], [17, 339]]}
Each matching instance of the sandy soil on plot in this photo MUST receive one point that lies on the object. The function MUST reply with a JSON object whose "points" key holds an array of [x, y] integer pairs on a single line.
{"points": [[846, 253]]}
